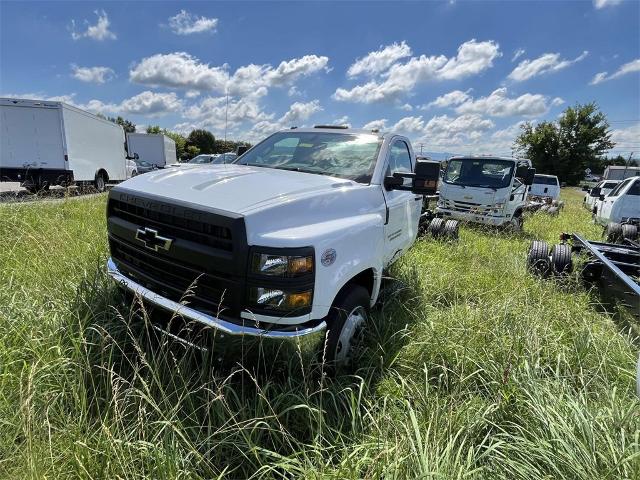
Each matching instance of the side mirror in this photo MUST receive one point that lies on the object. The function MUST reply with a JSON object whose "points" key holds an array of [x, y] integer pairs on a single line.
{"points": [[426, 175], [241, 149], [595, 192], [525, 174], [601, 196], [136, 156], [391, 182]]}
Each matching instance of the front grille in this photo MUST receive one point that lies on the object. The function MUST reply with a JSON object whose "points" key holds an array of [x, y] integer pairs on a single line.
{"points": [[468, 207], [205, 265], [197, 231]]}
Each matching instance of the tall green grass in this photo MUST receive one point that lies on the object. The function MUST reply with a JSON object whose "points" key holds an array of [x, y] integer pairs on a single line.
{"points": [[472, 369]]}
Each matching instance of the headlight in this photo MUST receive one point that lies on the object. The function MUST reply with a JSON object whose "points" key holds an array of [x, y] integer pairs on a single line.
{"points": [[280, 299], [498, 206], [281, 265]]}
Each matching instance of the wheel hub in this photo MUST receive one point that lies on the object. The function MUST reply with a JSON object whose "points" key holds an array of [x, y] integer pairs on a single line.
{"points": [[350, 335]]}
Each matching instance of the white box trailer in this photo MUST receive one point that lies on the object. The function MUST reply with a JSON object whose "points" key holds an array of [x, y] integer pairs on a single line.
{"points": [[157, 149], [46, 143], [620, 172]]}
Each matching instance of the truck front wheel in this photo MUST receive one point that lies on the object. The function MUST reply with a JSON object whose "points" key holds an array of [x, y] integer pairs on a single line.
{"points": [[100, 182], [346, 322]]}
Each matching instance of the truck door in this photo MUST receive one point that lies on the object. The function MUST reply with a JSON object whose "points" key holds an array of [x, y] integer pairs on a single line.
{"points": [[403, 208], [604, 207]]}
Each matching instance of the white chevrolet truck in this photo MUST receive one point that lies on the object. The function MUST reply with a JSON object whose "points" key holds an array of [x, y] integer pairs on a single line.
{"points": [[288, 242], [486, 190]]}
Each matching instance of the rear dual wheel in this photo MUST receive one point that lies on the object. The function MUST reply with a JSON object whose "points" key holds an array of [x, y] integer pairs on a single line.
{"points": [[559, 262], [445, 229]]}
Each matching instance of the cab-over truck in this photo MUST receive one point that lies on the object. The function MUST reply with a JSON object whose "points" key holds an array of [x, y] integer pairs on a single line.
{"points": [[287, 243]]}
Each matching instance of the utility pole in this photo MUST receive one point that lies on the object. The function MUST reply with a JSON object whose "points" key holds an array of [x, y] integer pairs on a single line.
{"points": [[226, 110], [421, 148]]}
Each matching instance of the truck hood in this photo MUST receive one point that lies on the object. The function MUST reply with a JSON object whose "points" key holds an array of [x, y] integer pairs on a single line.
{"points": [[477, 195], [234, 188]]}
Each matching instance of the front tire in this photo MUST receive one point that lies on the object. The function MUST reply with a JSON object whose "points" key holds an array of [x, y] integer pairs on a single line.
{"points": [[345, 323], [100, 182]]}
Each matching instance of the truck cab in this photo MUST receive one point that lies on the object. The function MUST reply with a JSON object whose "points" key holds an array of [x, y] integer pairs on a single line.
{"points": [[620, 205], [546, 186], [288, 242], [486, 190]]}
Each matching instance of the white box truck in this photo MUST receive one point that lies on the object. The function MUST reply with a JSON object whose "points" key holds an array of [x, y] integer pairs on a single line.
{"points": [[46, 143], [157, 149]]}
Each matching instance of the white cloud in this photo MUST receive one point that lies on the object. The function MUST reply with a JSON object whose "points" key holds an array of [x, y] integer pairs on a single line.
{"points": [[517, 54], [344, 120], [627, 136], [499, 104], [406, 107], [181, 70], [400, 79], [178, 70], [185, 23], [455, 97], [212, 111], [150, 103], [92, 74], [409, 125], [630, 67], [605, 3], [547, 63], [100, 31], [447, 131], [557, 102], [298, 112], [380, 124], [379, 61]]}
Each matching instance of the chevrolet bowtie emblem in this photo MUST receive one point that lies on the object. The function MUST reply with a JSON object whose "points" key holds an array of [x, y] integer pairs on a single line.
{"points": [[152, 240]]}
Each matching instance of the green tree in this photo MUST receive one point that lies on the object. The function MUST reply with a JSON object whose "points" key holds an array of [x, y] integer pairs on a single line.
{"points": [[567, 147], [154, 129], [203, 139], [192, 151], [127, 126]]}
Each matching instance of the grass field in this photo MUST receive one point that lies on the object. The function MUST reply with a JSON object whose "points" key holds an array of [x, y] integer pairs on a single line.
{"points": [[474, 369]]}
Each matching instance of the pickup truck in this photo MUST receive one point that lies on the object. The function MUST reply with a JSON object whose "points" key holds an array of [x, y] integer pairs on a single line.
{"points": [[486, 190], [287, 243]]}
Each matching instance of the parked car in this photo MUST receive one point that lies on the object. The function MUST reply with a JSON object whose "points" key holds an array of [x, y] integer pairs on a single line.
{"points": [[487, 190], [605, 187], [47, 143], [144, 166], [545, 186], [620, 205], [132, 168], [198, 160], [288, 244]]}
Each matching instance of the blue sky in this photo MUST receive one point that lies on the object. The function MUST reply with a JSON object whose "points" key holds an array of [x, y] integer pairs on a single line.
{"points": [[455, 76]]}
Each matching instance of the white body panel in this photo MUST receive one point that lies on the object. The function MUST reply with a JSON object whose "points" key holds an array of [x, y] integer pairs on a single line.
{"points": [[39, 134], [153, 148], [605, 188], [294, 209], [93, 144], [545, 186], [621, 204], [31, 136], [617, 172]]}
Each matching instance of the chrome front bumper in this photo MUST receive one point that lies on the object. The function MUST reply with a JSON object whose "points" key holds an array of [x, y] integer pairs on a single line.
{"points": [[471, 217], [222, 326]]}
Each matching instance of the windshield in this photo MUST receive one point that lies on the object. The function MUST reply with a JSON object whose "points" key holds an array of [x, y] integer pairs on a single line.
{"points": [[544, 180], [609, 185], [351, 156], [478, 172], [201, 159]]}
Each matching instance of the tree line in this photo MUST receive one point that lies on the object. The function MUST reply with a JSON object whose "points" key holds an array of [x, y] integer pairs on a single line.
{"points": [[577, 141], [198, 141]]}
